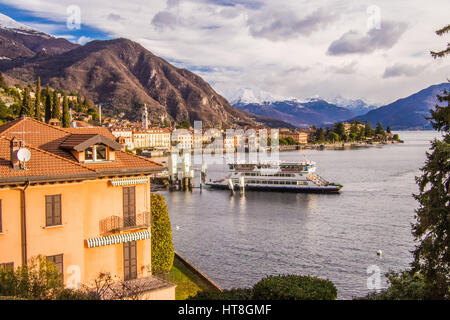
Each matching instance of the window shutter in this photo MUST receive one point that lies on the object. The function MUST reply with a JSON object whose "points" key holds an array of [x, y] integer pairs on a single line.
{"points": [[57, 209], [48, 210]]}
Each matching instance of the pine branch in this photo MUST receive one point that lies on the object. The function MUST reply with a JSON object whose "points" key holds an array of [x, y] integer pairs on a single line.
{"points": [[445, 29], [441, 54]]}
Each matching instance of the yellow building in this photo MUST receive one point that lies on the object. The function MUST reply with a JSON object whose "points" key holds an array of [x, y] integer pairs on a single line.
{"points": [[80, 201]]}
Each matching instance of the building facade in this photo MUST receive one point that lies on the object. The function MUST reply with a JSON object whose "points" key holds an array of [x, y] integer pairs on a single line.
{"points": [[80, 200]]}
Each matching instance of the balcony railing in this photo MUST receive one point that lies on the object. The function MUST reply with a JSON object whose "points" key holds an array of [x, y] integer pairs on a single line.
{"points": [[114, 224]]}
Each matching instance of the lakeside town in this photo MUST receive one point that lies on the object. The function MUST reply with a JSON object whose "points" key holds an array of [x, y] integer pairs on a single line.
{"points": [[102, 142]]}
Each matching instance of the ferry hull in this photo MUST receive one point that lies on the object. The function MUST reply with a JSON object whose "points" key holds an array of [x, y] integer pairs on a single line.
{"points": [[294, 189]]}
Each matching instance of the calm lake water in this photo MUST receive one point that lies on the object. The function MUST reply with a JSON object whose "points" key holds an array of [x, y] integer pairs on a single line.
{"points": [[239, 239]]}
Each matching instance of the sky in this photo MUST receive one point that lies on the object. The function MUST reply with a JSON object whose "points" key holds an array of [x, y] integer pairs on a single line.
{"points": [[377, 51]]}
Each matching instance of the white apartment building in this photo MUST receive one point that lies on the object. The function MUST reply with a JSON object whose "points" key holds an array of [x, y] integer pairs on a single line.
{"points": [[152, 138], [127, 135]]}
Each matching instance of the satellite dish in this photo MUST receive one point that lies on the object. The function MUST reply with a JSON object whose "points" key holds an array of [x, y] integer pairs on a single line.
{"points": [[23, 155]]}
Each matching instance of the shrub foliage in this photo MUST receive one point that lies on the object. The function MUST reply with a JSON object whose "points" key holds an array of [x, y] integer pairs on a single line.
{"points": [[283, 287], [162, 246], [292, 287]]}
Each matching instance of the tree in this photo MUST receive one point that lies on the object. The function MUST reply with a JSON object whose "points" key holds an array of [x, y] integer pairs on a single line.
{"points": [[368, 130], [185, 124], [333, 136], [339, 128], [432, 228], [48, 105], [3, 82], [56, 114], [379, 129], [442, 53], [320, 135], [38, 279], [26, 108], [162, 245], [65, 116], [37, 99]]}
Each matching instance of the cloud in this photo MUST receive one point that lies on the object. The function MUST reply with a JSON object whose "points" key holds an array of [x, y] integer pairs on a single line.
{"points": [[275, 46], [346, 68], [251, 4], [284, 24], [353, 42], [401, 69], [165, 19], [114, 17], [84, 39]]}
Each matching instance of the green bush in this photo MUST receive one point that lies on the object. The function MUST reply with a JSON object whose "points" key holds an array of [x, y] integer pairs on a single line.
{"points": [[402, 286], [38, 280], [232, 294], [291, 287], [162, 246]]}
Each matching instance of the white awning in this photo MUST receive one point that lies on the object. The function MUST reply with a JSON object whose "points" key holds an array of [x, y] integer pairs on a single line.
{"points": [[129, 181], [119, 238]]}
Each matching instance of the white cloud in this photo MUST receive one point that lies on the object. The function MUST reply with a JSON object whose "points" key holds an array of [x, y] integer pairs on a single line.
{"points": [[84, 39], [278, 46]]}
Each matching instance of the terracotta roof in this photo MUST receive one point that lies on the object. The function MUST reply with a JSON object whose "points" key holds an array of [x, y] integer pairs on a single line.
{"points": [[42, 163], [81, 142], [51, 158], [91, 130]]}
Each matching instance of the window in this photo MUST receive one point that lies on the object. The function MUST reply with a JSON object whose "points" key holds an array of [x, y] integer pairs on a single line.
{"points": [[130, 260], [95, 153], [53, 210], [58, 261], [100, 153], [129, 206], [7, 265], [1, 227], [88, 154]]}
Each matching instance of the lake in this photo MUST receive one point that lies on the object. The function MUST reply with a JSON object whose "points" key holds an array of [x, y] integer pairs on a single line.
{"points": [[239, 239]]}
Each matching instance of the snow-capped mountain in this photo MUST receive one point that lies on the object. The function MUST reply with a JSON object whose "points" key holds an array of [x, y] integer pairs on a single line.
{"points": [[247, 95], [10, 24], [300, 113], [19, 40], [358, 106]]}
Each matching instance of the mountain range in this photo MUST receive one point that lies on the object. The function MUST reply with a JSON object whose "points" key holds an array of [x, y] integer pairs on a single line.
{"points": [[406, 113], [119, 74], [409, 112]]}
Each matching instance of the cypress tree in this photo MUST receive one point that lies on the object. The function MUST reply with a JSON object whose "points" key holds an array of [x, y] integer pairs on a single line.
{"points": [[3, 82], [56, 114], [26, 109], [65, 114], [48, 105], [37, 100]]}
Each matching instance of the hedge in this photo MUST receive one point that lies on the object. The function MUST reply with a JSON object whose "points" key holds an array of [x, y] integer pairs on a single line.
{"points": [[162, 246], [291, 287], [288, 287], [232, 294]]}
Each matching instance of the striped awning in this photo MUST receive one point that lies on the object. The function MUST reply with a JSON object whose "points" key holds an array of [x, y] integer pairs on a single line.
{"points": [[115, 239], [129, 181]]}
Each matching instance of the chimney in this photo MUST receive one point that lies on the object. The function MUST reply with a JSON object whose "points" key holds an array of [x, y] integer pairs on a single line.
{"points": [[15, 146]]}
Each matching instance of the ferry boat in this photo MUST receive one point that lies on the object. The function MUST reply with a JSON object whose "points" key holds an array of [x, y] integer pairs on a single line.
{"points": [[275, 176]]}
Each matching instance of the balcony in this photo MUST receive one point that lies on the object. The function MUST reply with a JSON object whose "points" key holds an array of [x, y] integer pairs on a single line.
{"points": [[113, 224]]}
